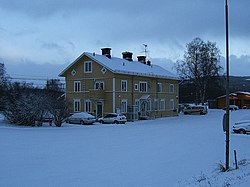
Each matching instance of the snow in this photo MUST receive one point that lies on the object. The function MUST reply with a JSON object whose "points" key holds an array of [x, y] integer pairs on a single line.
{"points": [[174, 151], [122, 66]]}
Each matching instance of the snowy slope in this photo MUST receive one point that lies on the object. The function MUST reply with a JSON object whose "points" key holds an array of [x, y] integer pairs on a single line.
{"points": [[177, 151]]}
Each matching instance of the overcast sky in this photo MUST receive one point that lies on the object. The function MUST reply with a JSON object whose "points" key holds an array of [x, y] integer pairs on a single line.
{"points": [[55, 32]]}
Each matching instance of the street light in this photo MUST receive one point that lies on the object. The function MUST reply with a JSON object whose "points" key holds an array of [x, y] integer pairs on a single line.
{"points": [[227, 91]]}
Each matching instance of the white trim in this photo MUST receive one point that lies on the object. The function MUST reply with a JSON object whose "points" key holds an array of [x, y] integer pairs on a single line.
{"points": [[78, 87], [79, 105], [171, 104], [143, 82], [88, 101], [171, 86], [162, 107], [126, 87], [87, 62], [126, 105]]}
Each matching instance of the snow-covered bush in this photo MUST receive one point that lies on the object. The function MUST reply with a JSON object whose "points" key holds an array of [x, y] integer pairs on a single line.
{"points": [[26, 105]]}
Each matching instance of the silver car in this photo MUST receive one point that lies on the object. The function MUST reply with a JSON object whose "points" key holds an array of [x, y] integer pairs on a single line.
{"points": [[81, 118], [242, 127], [113, 118]]}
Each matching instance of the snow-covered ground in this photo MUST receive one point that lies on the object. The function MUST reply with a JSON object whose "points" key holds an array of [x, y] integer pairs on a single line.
{"points": [[176, 151]]}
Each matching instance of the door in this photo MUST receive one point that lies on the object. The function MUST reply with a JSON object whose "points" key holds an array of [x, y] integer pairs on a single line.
{"points": [[99, 109]]}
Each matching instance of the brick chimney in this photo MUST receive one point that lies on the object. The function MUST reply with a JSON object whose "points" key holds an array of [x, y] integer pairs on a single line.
{"points": [[106, 52], [142, 59], [127, 55]]}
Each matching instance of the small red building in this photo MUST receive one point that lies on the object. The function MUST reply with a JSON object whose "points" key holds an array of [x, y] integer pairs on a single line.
{"points": [[241, 99]]}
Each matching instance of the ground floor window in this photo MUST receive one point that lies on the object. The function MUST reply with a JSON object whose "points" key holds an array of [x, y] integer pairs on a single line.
{"points": [[149, 105], [77, 105], [162, 104], [137, 103], [171, 104], [88, 106], [124, 105], [155, 104]]}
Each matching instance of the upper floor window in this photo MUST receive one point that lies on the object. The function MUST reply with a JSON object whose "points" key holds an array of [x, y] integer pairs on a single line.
{"points": [[99, 85], [77, 86], [143, 86], [159, 87], [88, 67], [136, 86], [171, 89], [124, 86]]}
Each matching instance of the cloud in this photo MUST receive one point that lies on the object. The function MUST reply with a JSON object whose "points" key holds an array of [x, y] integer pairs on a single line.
{"points": [[240, 65]]}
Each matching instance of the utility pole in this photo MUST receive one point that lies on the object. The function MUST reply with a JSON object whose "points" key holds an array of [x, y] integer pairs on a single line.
{"points": [[227, 92]]}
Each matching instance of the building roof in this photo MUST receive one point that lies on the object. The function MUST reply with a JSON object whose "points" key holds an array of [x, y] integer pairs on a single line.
{"points": [[123, 66]]}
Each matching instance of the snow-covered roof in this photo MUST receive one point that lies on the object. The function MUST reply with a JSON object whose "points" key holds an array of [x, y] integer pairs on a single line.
{"points": [[123, 66]]}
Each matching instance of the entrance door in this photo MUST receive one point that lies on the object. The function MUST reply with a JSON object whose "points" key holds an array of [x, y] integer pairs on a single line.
{"points": [[99, 109]]}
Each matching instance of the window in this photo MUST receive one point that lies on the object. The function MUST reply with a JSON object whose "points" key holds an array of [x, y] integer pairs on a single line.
{"points": [[99, 85], [162, 104], [143, 86], [171, 104], [77, 86], [149, 105], [156, 104], [77, 105], [137, 103], [124, 105], [88, 106], [159, 87], [171, 89], [136, 86], [88, 67], [124, 85]]}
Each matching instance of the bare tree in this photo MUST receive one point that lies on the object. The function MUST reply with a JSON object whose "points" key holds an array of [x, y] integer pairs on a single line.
{"points": [[199, 65]]}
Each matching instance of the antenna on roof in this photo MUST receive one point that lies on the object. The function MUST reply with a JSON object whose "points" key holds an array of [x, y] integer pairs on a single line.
{"points": [[145, 49]]}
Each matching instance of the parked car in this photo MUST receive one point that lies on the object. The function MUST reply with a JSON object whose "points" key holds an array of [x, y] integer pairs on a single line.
{"points": [[231, 107], [242, 127], [81, 118], [113, 118], [195, 109]]}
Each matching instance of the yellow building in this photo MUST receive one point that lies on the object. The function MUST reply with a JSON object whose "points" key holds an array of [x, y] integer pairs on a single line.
{"points": [[101, 84]]}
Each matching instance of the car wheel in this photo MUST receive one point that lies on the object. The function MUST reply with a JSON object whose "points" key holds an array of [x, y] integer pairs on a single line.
{"points": [[242, 131], [185, 113], [82, 122], [102, 121], [116, 122]]}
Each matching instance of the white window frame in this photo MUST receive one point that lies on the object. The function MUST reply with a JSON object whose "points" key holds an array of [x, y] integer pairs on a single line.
{"points": [[124, 83], [77, 86], [124, 110], [159, 87], [88, 67], [162, 104], [171, 88], [156, 104], [99, 82], [77, 105], [87, 105], [137, 103], [136, 86], [140, 86], [171, 104], [149, 105]]}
